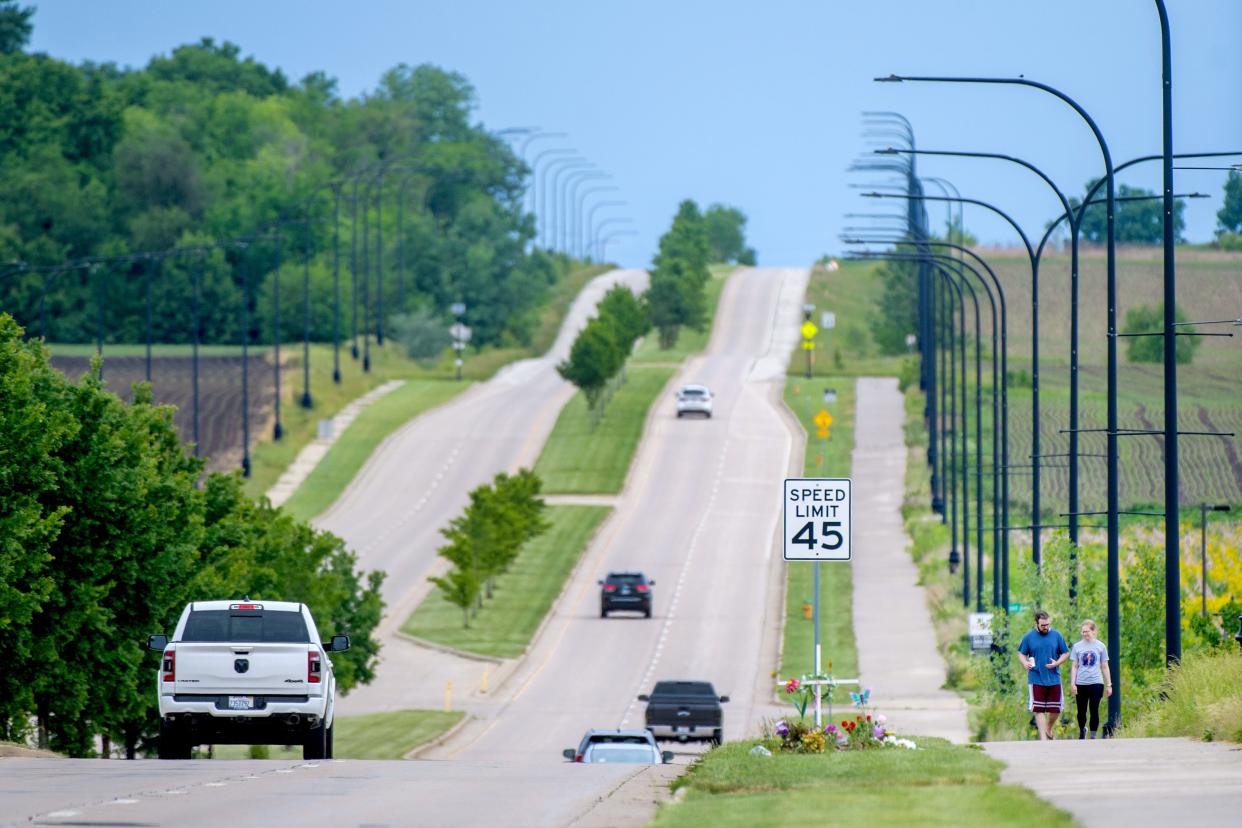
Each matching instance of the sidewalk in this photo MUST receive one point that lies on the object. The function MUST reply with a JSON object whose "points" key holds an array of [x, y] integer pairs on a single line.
{"points": [[897, 654], [1111, 782]]}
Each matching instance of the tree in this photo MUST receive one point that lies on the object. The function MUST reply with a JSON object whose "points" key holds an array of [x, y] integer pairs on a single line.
{"points": [[1137, 222], [593, 359], [1150, 319], [621, 307], [15, 27], [726, 233], [675, 296], [1230, 215], [896, 313], [423, 335]]}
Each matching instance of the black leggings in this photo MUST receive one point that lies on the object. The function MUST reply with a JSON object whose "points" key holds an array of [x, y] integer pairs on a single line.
{"points": [[1089, 695]]}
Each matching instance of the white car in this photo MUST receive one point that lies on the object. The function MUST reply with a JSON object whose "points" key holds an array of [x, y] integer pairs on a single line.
{"points": [[246, 673], [694, 399]]}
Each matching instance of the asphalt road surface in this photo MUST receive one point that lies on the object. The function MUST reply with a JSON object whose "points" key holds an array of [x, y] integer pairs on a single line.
{"points": [[699, 514]]}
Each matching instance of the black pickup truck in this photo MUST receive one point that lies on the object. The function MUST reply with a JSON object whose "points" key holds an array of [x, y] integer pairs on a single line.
{"points": [[685, 710]]}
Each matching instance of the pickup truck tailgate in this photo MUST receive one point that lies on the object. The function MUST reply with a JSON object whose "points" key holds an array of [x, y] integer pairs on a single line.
{"points": [[242, 668]]}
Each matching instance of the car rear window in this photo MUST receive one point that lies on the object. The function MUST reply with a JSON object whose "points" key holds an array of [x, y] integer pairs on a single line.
{"points": [[621, 753], [258, 626], [625, 580], [692, 392], [683, 688], [618, 738]]}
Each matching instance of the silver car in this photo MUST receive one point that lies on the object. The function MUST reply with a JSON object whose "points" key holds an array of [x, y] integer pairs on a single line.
{"points": [[694, 399]]}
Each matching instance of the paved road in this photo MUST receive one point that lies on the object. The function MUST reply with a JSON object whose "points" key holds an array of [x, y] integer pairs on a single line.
{"points": [[334, 794], [897, 654], [700, 515], [1130, 782]]}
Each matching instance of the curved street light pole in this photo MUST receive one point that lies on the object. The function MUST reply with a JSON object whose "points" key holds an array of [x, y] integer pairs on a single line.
{"points": [[1036, 516], [573, 203], [580, 231], [565, 201], [544, 216], [591, 228], [1114, 606], [606, 240], [601, 239], [999, 395]]}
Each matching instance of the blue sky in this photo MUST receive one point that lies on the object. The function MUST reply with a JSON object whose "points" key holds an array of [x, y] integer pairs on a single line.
{"points": [[754, 105]]}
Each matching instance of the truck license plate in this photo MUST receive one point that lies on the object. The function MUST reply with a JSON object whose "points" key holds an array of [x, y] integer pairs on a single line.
{"points": [[241, 702], [681, 729]]}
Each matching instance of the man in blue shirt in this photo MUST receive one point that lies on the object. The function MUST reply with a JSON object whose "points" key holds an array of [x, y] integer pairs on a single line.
{"points": [[1042, 652]]}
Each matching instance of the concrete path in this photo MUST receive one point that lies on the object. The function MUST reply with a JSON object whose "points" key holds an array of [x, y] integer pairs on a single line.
{"points": [[1130, 781], [897, 654], [309, 457]]}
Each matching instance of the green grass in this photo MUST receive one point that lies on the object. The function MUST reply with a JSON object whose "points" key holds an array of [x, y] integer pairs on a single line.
{"points": [[805, 399], [1201, 699], [689, 341], [938, 784], [853, 293], [581, 458], [504, 626], [351, 450], [270, 459], [372, 736]]}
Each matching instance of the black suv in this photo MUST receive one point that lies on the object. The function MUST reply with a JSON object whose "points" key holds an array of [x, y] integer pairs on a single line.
{"points": [[625, 591]]}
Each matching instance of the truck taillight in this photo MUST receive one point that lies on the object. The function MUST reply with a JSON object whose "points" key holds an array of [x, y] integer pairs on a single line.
{"points": [[642, 587], [314, 667], [610, 587], [169, 667]]}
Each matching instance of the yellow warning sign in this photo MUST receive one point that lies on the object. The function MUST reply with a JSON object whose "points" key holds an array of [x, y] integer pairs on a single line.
{"points": [[809, 330], [808, 345], [822, 433], [823, 419]]}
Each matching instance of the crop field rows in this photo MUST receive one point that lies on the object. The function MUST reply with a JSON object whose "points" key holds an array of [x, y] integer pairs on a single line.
{"points": [[1210, 467], [219, 393]]}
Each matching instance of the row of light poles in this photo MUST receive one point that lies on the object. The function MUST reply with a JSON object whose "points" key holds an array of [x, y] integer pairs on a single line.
{"points": [[927, 339]]}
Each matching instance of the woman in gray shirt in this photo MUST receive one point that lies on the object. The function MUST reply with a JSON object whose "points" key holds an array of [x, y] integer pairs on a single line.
{"points": [[1089, 678]]}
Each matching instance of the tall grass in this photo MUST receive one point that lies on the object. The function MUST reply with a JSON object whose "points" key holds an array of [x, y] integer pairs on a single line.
{"points": [[1202, 699]]}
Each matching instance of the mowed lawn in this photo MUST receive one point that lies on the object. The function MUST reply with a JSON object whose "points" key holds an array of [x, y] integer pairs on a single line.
{"points": [[350, 451], [829, 458], [939, 784], [504, 626], [373, 736], [581, 457]]}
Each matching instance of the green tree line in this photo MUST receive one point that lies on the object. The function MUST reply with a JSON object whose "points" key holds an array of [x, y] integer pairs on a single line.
{"points": [[203, 145], [106, 534], [485, 539]]}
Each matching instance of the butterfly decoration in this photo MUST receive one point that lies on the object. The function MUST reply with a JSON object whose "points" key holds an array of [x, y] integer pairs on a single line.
{"points": [[861, 699]]}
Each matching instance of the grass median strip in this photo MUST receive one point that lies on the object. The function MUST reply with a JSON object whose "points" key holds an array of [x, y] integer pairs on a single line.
{"points": [[938, 784], [371, 736], [830, 458], [583, 459], [523, 596], [351, 450]]}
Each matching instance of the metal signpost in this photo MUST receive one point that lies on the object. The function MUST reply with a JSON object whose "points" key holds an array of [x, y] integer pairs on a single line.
{"points": [[817, 523]]}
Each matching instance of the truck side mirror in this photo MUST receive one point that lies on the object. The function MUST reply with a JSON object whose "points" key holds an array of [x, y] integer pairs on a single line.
{"points": [[644, 697], [666, 756], [569, 753], [724, 698], [337, 644], [652, 582], [157, 642]]}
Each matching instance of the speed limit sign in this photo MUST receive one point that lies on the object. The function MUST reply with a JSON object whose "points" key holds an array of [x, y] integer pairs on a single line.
{"points": [[817, 519]]}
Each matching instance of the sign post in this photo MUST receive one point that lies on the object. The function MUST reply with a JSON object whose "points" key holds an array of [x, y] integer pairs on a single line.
{"points": [[817, 523]]}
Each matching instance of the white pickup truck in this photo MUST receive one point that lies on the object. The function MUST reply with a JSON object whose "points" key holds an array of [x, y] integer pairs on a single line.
{"points": [[246, 673]]}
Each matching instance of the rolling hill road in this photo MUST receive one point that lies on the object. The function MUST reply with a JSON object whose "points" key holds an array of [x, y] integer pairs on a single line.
{"points": [[699, 514]]}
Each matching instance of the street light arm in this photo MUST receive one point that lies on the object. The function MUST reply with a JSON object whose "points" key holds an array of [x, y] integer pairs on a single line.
{"points": [[1030, 252]]}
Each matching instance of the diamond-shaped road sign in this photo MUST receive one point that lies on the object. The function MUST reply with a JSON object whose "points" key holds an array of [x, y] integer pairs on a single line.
{"points": [[823, 419], [809, 330]]}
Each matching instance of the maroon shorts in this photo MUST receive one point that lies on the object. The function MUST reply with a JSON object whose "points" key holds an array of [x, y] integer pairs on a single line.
{"points": [[1044, 698]]}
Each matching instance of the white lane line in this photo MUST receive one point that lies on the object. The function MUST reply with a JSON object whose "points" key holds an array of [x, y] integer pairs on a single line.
{"points": [[670, 616], [61, 814], [123, 802]]}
